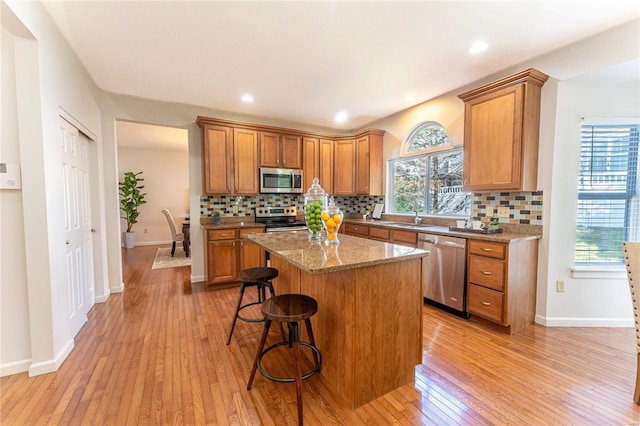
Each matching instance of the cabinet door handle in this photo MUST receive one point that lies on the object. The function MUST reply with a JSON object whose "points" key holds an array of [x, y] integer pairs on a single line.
{"points": [[486, 303], [485, 249], [485, 272]]}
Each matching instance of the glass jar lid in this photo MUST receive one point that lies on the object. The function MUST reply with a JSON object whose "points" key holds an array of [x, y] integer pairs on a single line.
{"points": [[315, 190]]}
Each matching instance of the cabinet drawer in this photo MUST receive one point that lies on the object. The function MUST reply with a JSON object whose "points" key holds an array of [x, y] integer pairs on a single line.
{"points": [[409, 237], [247, 231], [485, 303], [488, 249], [350, 228], [379, 233], [221, 234], [487, 272]]}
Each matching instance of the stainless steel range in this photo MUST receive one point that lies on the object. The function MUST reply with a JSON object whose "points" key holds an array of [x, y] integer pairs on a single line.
{"points": [[280, 219]]}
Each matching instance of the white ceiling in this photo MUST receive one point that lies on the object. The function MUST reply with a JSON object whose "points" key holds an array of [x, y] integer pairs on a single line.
{"points": [[305, 61]]}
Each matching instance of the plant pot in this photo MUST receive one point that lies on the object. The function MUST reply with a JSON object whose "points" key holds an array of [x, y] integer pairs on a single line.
{"points": [[216, 220], [129, 239]]}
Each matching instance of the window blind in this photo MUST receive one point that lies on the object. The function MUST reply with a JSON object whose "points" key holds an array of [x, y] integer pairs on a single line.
{"points": [[608, 200]]}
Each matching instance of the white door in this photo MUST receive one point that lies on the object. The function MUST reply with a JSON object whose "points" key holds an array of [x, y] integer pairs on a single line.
{"points": [[77, 214]]}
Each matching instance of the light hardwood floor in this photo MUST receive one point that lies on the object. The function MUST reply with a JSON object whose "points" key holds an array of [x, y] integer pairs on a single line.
{"points": [[156, 354]]}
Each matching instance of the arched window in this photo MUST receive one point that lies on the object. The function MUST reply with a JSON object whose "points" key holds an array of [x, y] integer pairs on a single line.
{"points": [[428, 176], [426, 135]]}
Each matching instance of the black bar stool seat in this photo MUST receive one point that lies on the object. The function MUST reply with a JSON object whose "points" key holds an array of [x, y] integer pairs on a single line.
{"points": [[259, 277], [289, 308]]}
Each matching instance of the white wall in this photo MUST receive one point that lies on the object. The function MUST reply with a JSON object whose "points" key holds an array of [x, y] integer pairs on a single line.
{"points": [[586, 301], [48, 78], [166, 182], [14, 307]]}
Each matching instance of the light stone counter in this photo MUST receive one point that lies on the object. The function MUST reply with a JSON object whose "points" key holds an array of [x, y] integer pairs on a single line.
{"points": [[316, 257]]}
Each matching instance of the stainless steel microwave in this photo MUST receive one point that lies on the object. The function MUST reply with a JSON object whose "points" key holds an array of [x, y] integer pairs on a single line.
{"points": [[280, 181]]}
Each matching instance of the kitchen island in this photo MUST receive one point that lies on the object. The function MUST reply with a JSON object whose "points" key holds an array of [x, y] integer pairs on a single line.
{"points": [[369, 321]]}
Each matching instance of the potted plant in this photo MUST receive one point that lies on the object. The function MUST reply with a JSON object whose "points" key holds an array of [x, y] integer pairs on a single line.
{"points": [[216, 217], [131, 198]]}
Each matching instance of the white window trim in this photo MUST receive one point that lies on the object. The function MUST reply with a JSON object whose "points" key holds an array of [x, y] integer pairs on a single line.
{"points": [[609, 272]]}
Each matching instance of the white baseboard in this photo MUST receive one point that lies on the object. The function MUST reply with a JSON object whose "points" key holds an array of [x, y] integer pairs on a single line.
{"points": [[118, 289], [583, 322], [197, 279], [156, 243], [102, 299], [52, 365], [14, 367]]}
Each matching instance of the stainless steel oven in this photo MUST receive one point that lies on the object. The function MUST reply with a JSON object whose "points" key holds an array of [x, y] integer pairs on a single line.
{"points": [[280, 219]]}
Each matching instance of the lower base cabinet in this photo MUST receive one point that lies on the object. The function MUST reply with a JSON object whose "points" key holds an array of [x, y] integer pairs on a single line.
{"points": [[228, 252], [501, 282]]}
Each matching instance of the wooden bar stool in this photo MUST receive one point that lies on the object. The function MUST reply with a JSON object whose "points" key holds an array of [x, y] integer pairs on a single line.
{"points": [[253, 277], [289, 308]]}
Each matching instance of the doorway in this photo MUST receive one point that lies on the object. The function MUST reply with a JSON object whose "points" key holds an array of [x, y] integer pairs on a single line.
{"points": [[161, 153]]}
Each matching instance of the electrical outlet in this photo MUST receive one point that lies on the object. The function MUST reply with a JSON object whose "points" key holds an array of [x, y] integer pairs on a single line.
{"points": [[503, 211], [560, 286], [146, 231], [235, 209], [489, 212]]}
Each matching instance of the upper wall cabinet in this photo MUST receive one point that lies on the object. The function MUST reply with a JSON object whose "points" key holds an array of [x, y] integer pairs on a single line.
{"points": [[232, 153], [501, 131], [229, 160], [279, 150]]}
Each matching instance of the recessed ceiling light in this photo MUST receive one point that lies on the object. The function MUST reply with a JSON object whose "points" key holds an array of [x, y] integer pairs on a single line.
{"points": [[409, 98], [247, 98], [478, 46], [341, 117]]}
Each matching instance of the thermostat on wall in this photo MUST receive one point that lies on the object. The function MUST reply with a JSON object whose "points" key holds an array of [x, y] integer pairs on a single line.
{"points": [[9, 176]]}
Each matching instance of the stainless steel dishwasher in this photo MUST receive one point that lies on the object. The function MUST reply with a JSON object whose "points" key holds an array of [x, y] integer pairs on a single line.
{"points": [[445, 272]]}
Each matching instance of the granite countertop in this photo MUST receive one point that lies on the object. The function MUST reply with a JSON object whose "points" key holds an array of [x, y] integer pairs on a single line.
{"points": [[507, 236], [232, 225], [316, 257]]}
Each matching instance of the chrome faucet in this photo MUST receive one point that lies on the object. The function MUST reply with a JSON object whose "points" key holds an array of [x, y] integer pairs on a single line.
{"points": [[417, 219]]}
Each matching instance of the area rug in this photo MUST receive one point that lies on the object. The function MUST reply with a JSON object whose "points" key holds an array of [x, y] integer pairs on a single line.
{"points": [[164, 260]]}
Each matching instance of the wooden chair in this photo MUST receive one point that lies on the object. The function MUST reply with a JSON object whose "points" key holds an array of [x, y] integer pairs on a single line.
{"points": [[177, 236], [632, 261]]}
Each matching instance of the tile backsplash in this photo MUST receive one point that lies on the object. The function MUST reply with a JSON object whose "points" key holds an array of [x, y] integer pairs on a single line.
{"points": [[525, 208], [246, 205]]}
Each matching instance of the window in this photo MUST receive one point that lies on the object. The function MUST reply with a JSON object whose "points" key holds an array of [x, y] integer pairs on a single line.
{"points": [[429, 173], [608, 201]]}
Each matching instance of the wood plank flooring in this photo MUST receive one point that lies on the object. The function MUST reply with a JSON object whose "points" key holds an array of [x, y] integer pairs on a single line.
{"points": [[156, 354]]}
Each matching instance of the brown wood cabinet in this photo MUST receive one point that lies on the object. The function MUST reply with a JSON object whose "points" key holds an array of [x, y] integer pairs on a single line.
{"points": [[228, 252], [327, 165], [369, 165], [317, 161], [345, 167], [380, 233], [233, 151], [217, 159], [280, 150], [501, 131], [356, 230], [310, 161], [229, 161], [501, 282]]}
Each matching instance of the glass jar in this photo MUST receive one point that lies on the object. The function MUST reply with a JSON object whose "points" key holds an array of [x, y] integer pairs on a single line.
{"points": [[331, 220], [315, 202]]}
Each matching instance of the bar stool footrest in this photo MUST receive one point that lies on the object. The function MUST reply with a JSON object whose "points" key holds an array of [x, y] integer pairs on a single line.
{"points": [[245, 319], [315, 370]]}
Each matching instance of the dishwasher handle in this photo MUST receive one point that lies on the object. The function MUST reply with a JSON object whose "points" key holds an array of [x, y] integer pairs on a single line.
{"points": [[450, 244]]}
